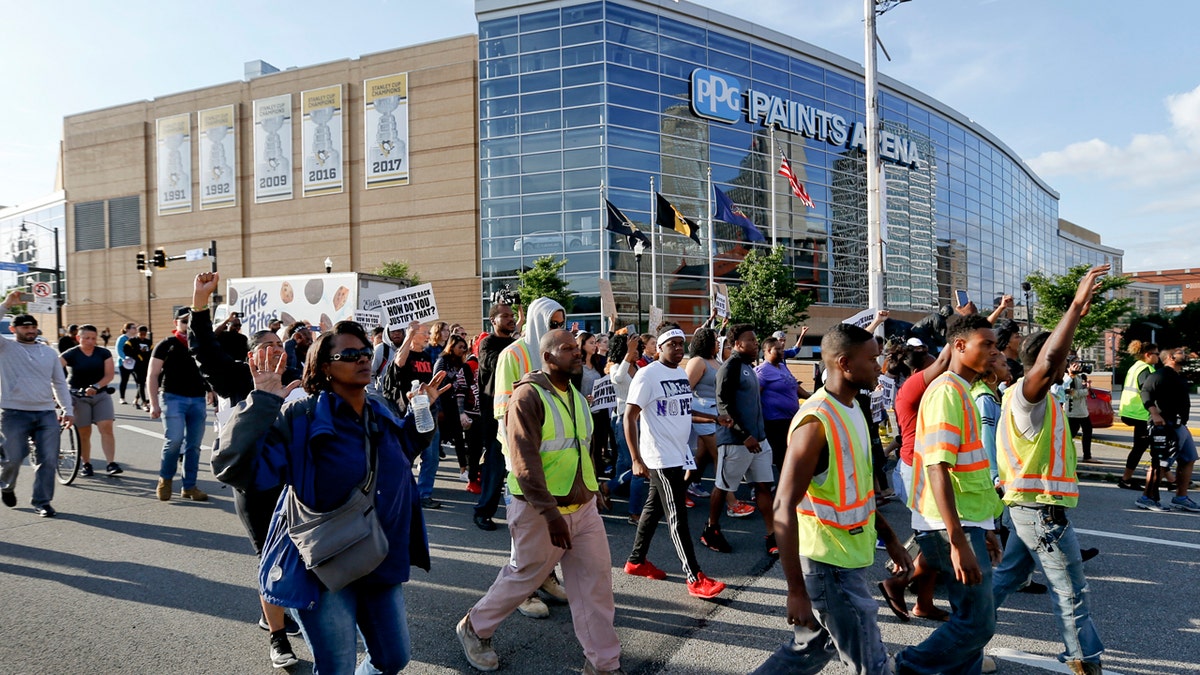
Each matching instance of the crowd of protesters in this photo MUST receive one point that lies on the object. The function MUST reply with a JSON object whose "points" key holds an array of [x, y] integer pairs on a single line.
{"points": [[981, 417]]}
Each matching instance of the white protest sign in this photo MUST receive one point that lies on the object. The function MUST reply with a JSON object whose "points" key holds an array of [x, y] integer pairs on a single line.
{"points": [[402, 307], [367, 319], [604, 395], [656, 317], [721, 300], [862, 319], [608, 304]]}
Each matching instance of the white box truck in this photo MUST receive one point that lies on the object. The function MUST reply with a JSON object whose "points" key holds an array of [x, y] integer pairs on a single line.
{"points": [[320, 299]]}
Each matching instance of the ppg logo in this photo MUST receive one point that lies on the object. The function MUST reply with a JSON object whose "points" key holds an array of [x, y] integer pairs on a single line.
{"points": [[716, 95]]}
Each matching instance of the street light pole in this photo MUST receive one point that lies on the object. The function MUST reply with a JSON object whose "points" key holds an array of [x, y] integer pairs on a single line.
{"points": [[638, 249], [149, 322], [59, 298]]}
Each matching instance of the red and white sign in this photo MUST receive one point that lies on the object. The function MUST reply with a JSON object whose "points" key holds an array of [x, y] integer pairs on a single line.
{"points": [[42, 289]]}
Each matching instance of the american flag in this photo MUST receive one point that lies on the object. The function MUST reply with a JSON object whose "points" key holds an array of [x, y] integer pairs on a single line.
{"points": [[785, 170]]}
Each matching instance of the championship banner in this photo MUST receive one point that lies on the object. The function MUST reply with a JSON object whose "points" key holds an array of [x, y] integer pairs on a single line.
{"points": [[604, 394], [173, 140], [218, 157], [402, 307], [322, 124], [273, 149], [385, 130]]}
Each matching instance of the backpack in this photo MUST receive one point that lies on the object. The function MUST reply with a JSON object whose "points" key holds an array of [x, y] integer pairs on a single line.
{"points": [[392, 389]]}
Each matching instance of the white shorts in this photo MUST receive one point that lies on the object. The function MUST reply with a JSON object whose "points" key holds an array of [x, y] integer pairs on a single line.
{"points": [[736, 461]]}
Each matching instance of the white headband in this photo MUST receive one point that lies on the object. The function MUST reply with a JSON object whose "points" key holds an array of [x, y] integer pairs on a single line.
{"points": [[673, 333]]}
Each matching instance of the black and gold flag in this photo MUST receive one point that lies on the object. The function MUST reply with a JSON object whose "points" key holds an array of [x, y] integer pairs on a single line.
{"points": [[672, 219]]}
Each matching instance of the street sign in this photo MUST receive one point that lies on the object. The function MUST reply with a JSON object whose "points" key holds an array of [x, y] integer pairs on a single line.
{"points": [[40, 307], [14, 267], [42, 289], [194, 254]]}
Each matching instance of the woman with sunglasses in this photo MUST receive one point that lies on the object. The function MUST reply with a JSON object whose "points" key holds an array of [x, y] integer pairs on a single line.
{"points": [[460, 408], [332, 434]]}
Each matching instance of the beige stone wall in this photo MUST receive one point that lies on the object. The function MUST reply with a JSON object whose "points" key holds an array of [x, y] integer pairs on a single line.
{"points": [[433, 222]]}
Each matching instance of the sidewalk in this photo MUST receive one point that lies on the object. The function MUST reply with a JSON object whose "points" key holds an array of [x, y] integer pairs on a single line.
{"points": [[1110, 447]]}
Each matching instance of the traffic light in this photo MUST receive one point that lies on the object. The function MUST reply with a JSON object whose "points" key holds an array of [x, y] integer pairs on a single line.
{"points": [[160, 257], [141, 261]]}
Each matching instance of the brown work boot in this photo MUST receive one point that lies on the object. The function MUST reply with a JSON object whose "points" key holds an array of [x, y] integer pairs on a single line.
{"points": [[589, 669], [1084, 668], [164, 489], [195, 494]]}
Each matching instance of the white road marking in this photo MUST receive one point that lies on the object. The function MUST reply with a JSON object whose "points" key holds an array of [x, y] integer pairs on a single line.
{"points": [[1044, 662], [152, 434], [1134, 537]]}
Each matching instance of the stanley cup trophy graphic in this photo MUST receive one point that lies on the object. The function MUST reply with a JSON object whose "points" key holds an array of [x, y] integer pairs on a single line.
{"points": [[219, 172], [274, 162], [388, 144], [322, 156], [177, 176]]}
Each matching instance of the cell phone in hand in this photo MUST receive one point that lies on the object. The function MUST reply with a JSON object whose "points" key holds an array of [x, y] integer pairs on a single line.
{"points": [[962, 297], [28, 297]]}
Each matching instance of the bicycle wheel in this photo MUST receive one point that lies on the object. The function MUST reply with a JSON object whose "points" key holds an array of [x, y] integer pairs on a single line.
{"points": [[68, 456]]}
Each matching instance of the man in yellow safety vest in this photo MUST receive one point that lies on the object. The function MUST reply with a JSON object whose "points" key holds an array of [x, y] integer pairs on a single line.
{"points": [[953, 505], [553, 515], [1037, 472], [825, 519]]}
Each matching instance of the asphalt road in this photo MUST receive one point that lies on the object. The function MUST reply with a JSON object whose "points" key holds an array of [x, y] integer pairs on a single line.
{"points": [[123, 583]]}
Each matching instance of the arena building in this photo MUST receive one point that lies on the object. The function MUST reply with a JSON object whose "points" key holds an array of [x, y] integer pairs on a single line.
{"points": [[472, 157]]}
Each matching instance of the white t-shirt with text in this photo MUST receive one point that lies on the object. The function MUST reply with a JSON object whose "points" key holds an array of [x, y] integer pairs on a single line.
{"points": [[665, 397]]}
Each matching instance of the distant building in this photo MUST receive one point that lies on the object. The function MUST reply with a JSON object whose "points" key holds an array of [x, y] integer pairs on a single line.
{"points": [[1178, 287]]}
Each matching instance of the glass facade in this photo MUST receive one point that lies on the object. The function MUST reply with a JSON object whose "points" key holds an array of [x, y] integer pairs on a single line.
{"points": [[582, 101], [27, 236]]}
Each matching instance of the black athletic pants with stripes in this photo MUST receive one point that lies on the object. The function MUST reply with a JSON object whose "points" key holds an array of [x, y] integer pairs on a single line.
{"points": [[667, 495]]}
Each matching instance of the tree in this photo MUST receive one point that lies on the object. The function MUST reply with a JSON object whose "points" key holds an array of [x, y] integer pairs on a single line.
{"points": [[1187, 323], [399, 269], [768, 297], [544, 280], [1054, 295]]}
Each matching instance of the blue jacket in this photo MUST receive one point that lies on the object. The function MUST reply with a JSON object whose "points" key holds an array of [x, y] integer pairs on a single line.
{"points": [[266, 443]]}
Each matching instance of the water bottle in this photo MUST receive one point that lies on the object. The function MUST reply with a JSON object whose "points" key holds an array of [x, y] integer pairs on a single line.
{"points": [[420, 407]]}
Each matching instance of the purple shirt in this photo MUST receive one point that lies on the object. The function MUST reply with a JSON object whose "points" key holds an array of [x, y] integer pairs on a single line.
{"points": [[778, 387]]}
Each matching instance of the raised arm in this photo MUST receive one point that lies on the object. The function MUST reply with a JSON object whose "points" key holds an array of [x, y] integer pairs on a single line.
{"points": [[1052, 360]]}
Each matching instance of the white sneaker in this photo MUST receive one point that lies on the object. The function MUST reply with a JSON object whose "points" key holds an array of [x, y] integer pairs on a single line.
{"points": [[478, 650], [464, 476], [555, 590], [534, 608], [989, 665]]}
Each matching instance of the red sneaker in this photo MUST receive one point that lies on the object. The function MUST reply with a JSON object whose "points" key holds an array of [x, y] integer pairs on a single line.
{"points": [[740, 510], [687, 501], [645, 569], [703, 587], [474, 487]]}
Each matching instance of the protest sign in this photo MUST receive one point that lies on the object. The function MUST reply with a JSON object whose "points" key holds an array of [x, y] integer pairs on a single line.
{"points": [[721, 300], [410, 304], [604, 395], [608, 304], [862, 319], [367, 319], [656, 317]]}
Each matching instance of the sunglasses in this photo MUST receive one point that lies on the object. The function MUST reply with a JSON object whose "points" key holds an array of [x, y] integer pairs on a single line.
{"points": [[554, 325], [353, 354]]}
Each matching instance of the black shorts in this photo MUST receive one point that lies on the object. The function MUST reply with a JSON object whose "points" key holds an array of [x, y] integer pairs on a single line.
{"points": [[255, 510]]}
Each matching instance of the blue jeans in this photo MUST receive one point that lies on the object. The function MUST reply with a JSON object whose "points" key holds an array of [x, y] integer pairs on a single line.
{"points": [[956, 647], [183, 420], [331, 630], [845, 612], [430, 458], [17, 428], [624, 472], [491, 472], [1054, 548]]}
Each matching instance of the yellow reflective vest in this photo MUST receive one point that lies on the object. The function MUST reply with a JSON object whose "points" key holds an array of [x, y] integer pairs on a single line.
{"points": [[565, 438], [1041, 470], [836, 517], [1131, 395], [948, 432]]}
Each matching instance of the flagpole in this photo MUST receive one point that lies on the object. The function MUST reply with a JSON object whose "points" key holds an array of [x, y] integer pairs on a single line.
{"points": [[770, 164], [603, 237], [711, 238], [653, 248]]}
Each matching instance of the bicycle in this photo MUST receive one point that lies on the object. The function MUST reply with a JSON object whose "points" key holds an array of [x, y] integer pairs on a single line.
{"points": [[68, 455]]}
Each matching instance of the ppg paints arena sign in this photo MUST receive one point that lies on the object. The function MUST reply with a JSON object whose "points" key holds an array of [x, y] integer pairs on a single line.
{"points": [[720, 97]]}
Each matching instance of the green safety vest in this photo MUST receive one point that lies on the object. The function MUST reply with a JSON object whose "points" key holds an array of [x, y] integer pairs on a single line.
{"points": [[564, 445], [1041, 470], [836, 517], [948, 422], [1131, 397]]}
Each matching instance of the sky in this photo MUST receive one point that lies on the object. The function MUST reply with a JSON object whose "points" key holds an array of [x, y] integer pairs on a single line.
{"points": [[1101, 99]]}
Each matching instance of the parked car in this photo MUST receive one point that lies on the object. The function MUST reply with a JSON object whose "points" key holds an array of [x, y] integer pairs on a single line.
{"points": [[1100, 409]]}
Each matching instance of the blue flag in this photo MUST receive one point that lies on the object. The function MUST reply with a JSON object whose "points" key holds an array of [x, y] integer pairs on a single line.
{"points": [[728, 213]]}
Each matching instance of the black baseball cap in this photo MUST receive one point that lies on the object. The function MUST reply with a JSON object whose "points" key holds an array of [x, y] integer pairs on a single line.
{"points": [[183, 312], [24, 320]]}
